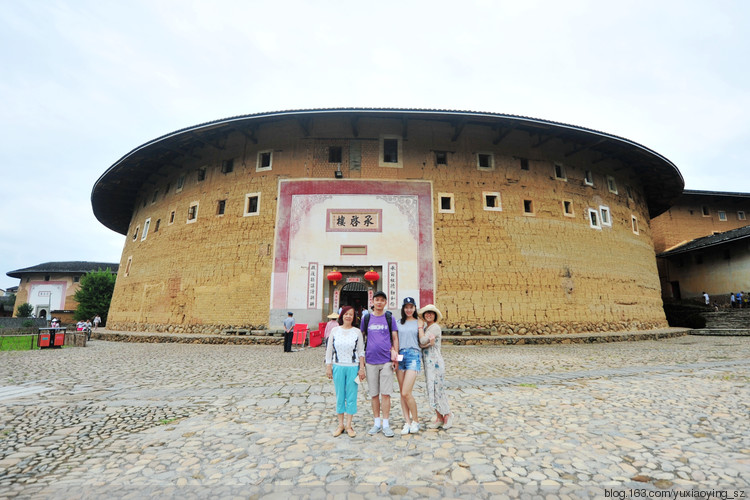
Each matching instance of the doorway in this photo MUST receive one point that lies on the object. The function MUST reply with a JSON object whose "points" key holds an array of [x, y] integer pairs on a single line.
{"points": [[355, 295]]}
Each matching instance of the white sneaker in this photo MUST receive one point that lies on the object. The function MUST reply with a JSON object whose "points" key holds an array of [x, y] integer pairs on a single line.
{"points": [[414, 429], [405, 430], [449, 421]]}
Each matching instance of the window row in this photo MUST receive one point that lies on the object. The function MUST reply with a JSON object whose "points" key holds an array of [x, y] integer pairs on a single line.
{"points": [[251, 207], [264, 163], [491, 201], [722, 214]]}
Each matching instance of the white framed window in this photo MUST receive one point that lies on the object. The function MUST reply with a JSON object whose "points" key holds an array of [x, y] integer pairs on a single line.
{"points": [[634, 223], [137, 230], [604, 216], [723, 215], [740, 215], [567, 208], [252, 204], [491, 201], [588, 178], [485, 161], [265, 160], [192, 212], [560, 172], [180, 183], [390, 151], [127, 266], [528, 207], [446, 203], [146, 225], [611, 184], [594, 219]]}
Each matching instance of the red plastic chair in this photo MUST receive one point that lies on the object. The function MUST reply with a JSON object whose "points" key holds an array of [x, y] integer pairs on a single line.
{"points": [[300, 335]]}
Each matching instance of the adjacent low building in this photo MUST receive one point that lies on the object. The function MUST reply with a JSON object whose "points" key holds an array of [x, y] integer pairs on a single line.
{"points": [[50, 287], [517, 224]]}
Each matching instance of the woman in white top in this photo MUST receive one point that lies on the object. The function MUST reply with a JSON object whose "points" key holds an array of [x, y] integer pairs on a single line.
{"points": [[345, 361]]}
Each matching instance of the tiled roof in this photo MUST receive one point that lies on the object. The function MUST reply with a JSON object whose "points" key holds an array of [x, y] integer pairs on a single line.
{"points": [[709, 241], [73, 267]]}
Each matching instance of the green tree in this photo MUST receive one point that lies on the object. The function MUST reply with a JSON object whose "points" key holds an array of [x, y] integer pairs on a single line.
{"points": [[95, 294], [25, 310]]}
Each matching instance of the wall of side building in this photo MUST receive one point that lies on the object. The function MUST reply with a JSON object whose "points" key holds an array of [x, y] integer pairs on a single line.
{"points": [[523, 265]]}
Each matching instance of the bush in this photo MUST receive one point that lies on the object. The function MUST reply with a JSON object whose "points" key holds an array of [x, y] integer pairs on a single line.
{"points": [[25, 310]]}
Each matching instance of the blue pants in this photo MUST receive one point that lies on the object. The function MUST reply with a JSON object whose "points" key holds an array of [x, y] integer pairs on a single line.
{"points": [[346, 388]]}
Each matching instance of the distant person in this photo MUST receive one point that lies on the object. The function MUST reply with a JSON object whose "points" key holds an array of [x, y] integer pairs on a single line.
{"points": [[97, 321], [738, 298], [288, 331], [332, 323], [732, 300], [381, 354], [705, 297]]}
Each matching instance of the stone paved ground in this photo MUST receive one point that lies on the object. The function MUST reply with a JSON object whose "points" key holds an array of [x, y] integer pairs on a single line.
{"points": [[621, 420]]}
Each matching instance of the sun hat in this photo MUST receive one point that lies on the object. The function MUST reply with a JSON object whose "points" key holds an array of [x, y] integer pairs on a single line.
{"points": [[333, 316], [431, 308]]}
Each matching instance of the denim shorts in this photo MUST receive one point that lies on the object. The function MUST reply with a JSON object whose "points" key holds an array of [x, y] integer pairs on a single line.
{"points": [[412, 359]]}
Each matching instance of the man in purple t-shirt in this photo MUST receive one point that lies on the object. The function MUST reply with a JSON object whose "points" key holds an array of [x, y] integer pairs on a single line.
{"points": [[380, 360]]}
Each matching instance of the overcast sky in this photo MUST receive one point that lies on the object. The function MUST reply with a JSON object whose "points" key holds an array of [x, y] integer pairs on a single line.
{"points": [[82, 82]]}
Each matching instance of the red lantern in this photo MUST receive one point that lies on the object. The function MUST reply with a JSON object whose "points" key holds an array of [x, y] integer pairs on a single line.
{"points": [[372, 276], [334, 276]]}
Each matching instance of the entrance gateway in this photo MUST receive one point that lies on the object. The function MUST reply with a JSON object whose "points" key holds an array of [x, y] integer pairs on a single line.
{"points": [[352, 290]]}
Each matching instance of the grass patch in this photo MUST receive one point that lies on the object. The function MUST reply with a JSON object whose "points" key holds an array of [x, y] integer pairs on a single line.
{"points": [[533, 386], [17, 343]]}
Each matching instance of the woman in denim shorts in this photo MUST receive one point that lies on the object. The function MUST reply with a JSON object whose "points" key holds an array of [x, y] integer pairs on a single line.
{"points": [[409, 364]]}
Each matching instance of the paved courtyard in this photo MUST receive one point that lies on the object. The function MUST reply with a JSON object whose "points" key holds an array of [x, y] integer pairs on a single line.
{"points": [[621, 420]]}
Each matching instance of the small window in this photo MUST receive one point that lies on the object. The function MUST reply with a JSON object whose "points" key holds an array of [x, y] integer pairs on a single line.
{"points": [[560, 172], [265, 160], [634, 222], [334, 154], [528, 207], [588, 178], [390, 150], [153, 198], [201, 174], [156, 227], [447, 205], [740, 215], [146, 225], [722, 215], [492, 201], [441, 157], [220, 206], [166, 189], [137, 230], [171, 217], [629, 190], [227, 166], [594, 219], [485, 161], [567, 206], [706, 212], [46, 277], [611, 184], [76, 279], [180, 183], [605, 217], [127, 266], [390, 154], [524, 163], [144, 202], [252, 204], [192, 212]]}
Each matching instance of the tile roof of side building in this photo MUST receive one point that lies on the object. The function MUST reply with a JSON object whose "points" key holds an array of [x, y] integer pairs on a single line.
{"points": [[64, 267], [710, 241]]}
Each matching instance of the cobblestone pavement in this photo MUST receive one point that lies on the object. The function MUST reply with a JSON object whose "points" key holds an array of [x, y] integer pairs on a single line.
{"points": [[620, 420]]}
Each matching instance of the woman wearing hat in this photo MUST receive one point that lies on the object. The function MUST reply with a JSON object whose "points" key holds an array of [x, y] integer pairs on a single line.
{"points": [[434, 367], [409, 363], [332, 323]]}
